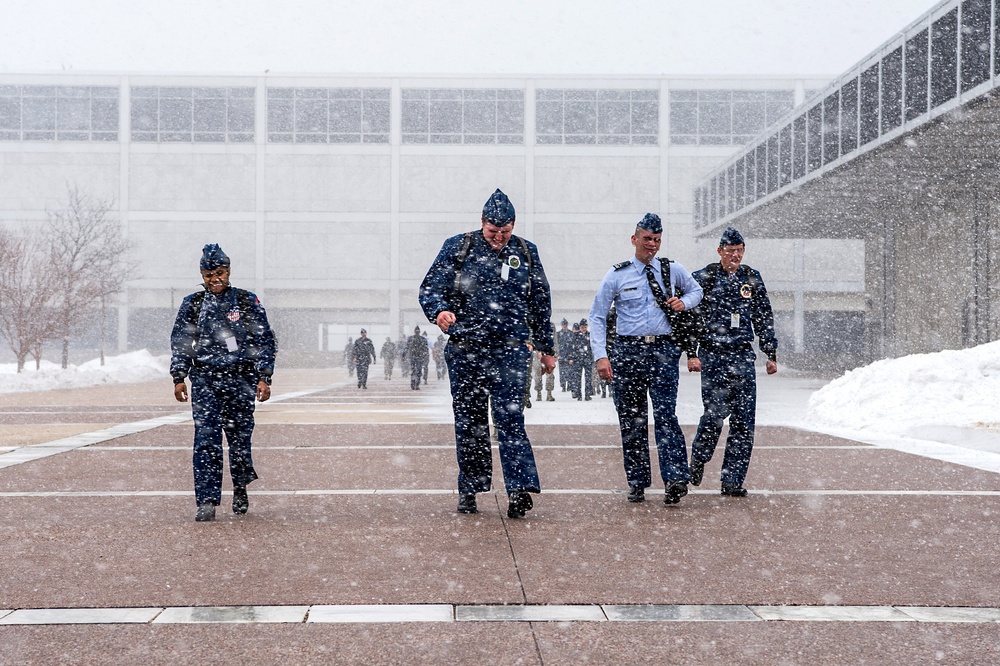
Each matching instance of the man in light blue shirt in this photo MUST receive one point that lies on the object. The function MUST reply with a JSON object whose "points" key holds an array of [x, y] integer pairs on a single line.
{"points": [[644, 359]]}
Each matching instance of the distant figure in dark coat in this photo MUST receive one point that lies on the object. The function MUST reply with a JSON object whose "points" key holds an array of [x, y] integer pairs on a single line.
{"points": [[388, 353], [416, 353], [364, 355]]}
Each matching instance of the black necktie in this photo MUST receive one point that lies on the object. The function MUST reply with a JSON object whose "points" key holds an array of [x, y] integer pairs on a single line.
{"points": [[661, 300]]}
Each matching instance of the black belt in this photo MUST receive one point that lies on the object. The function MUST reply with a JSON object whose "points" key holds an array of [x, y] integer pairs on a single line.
{"points": [[646, 338]]}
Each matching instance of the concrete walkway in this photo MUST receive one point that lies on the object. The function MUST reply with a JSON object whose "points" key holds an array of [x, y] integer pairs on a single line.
{"points": [[844, 553]]}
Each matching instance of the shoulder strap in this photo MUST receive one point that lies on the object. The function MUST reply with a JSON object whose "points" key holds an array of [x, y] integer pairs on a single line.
{"points": [[711, 275], [463, 254], [752, 279], [197, 300], [523, 244], [622, 264], [665, 269]]}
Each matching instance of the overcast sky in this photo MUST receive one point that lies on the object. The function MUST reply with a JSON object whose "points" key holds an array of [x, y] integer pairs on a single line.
{"points": [[655, 37]]}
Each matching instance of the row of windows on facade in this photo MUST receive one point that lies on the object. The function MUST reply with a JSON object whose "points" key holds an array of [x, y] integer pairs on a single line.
{"points": [[362, 115], [928, 69]]}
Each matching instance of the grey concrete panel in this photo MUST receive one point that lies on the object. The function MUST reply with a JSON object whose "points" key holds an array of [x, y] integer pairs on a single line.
{"points": [[230, 614], [386, 613], [951, 614], [831, 613], [80, 616], [553, 613], [681, 613]]}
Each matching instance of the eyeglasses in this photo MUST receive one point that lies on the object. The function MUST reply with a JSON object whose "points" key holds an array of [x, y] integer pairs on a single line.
{"points": [[732, 250]]}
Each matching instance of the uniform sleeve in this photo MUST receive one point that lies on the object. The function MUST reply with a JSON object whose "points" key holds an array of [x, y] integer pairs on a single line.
{"points": [[540, 306], [437, 285], [762, 319], [263, 345], [598, 316], [691, 290], [183, 338]]}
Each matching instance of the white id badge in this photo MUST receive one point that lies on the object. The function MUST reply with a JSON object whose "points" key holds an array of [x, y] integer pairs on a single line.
{"points": [[231, 344], [505, 272], [734, 320]]}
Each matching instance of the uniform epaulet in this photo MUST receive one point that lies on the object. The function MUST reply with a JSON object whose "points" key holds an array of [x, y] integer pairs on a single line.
{"points": [[622, 264]]}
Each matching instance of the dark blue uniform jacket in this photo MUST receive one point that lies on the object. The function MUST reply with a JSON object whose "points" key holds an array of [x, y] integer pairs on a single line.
{"points": [[199, 336], [488, 309], [742, 293]]}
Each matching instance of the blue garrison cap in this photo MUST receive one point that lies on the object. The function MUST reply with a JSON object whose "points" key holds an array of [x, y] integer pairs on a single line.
{"points": [[731, 237], [651, 223], [212, 257], [498, 209]]}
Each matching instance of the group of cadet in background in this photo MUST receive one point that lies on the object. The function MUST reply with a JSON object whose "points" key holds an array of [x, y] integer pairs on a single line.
{"points": [[488, 291]]}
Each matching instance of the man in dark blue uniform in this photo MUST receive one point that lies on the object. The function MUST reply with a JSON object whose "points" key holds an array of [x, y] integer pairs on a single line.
{"points": [[736, 307], [223, 342], [563, 337], [364, 355], [643, 363], [487, 289], [416, 352], [586, 361]]}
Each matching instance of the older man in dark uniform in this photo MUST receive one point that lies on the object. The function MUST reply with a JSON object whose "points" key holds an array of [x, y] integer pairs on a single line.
{"points": [[223, 342], [487, 289], [736, 307]]}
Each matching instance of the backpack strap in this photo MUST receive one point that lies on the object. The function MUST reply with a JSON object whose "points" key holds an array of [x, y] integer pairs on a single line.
{"points": [[463, 254], [523, 244]]}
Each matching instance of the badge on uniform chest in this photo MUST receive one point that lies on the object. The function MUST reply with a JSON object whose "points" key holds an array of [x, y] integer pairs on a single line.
{"points": [[512, 262], [234, 315]]}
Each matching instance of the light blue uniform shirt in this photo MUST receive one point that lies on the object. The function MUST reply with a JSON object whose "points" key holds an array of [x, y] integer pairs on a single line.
{"points": [[638, 313]]}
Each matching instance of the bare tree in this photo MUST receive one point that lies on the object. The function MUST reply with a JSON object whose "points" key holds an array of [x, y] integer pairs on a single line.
{"points": [[27, 296], [89, 256]]}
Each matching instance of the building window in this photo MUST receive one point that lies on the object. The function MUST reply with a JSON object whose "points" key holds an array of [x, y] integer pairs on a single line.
{"points": [[724, 117], [58, 113], [184, 114], [328, 115], [605, 117], [450, 115]]}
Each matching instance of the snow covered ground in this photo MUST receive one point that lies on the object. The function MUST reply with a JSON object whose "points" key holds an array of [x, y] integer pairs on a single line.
{"points": [[944, 405]]}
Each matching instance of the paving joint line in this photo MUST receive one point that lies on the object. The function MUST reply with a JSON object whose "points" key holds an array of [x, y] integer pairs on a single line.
{"points": [[530, 613]]}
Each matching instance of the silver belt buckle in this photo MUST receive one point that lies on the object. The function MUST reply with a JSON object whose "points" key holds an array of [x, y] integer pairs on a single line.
{"points": [[649, 338]]}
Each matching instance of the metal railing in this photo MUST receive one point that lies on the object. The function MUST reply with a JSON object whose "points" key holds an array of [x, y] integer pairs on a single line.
{"points": [[942, 60]]}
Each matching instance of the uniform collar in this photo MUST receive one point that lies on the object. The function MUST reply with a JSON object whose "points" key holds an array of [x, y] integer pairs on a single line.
{"points": [[655, 263]]}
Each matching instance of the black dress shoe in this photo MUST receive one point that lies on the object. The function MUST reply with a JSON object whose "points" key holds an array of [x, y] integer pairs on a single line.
{"points": [[636, 494], [733, 491], [206, 512], [697, 472], [674, 492], [467, 504], [240, 500], [519, 503]]}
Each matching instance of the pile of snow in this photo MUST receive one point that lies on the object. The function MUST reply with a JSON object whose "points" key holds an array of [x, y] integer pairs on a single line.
{"points": [[958, 388], [137, 366]]}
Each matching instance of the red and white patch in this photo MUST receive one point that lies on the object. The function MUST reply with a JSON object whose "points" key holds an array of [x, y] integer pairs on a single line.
{"points": [[234, 315]]}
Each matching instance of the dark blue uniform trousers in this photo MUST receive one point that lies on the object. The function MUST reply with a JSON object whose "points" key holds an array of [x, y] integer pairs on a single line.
{"points": [[644, 369], [222, 400], [481, 379], [728, 389]]}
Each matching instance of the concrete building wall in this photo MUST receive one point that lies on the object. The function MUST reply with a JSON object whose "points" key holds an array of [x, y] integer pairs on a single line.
{"points": [[338, 234]]}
